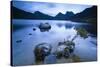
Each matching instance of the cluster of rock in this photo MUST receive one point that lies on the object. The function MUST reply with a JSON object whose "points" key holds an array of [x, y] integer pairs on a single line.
{"points": [[64, 49]]}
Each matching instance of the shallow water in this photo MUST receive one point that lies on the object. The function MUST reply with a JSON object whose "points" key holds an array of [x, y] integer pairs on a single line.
{"points": [[60, 30]]}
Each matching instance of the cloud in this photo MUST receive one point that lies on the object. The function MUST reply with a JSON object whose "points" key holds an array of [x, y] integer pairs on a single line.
{"points": [[49, 8]]}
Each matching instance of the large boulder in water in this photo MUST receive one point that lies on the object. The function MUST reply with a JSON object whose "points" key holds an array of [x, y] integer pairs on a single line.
{"points": [[65, 49], [44, 27], [60, 52], [41, 51], [71, 45]]}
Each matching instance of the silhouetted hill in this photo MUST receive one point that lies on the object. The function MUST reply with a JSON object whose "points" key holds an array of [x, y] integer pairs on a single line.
{"points": [[88, 15], [89, 12], [21, 14], [39, 15]]}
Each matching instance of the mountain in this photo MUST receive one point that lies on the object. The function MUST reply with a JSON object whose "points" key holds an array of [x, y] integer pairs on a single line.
{"points": [[69, 15], [39, 15], [66, 16], [89, 12], [59, 16], [21, 14], [88, 15]]}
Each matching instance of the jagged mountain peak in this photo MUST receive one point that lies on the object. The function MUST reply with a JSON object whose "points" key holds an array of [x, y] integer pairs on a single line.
{"points": [[69, 12], [59, 14], [36, 12]]}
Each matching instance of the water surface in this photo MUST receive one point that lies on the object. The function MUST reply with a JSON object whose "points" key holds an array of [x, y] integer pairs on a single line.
{"points": [[23, 54]]}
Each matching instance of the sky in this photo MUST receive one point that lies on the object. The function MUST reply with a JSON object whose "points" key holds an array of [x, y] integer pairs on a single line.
{"points": [[51, 9]]}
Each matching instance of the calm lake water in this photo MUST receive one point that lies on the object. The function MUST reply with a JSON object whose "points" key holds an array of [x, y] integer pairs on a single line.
{"points": [[22, 52]]}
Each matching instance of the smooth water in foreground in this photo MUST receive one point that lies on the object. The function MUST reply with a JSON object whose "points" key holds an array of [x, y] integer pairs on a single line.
{"points": [[22, 51]]}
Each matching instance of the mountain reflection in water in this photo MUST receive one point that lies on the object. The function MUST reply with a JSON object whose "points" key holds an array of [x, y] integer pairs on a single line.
{"points": [[85, 49]]}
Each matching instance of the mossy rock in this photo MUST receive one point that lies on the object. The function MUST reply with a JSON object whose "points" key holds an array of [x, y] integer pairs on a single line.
{"points": [[60, 51], [66, 52], [76, 58], [71, 45], [82, 32], [59, 54], [41, 51], [65, 49]]}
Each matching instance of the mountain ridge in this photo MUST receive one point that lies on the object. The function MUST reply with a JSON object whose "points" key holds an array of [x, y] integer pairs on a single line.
{"points": [[87, 15]]}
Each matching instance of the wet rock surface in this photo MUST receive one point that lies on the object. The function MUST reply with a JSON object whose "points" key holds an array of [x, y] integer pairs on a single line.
{"points": [[82, 32], [34, 29], [41, 51], [44, 27], [18, 41], [65, 49], [30, 33]]}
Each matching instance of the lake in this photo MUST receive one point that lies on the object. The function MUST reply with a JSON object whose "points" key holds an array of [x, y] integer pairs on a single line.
{"points": [[22, 51]]}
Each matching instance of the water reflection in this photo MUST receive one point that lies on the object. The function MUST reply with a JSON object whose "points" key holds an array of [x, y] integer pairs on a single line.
{"points": [[60, 30]]}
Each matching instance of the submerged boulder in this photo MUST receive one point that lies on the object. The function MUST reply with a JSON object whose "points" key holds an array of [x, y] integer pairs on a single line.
{"points": [[82, 32], [44, 27], [30, 33], [18, 41], [41, 51], [34, 29]]}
